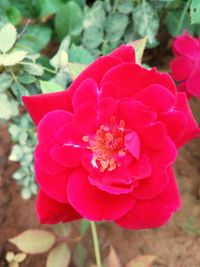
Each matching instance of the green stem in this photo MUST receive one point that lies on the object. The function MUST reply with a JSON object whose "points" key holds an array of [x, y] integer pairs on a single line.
{"points": [[96, 244], [30, 64]]}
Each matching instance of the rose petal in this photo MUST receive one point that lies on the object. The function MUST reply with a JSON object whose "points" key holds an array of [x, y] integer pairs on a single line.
{"points": [[87, 91], [132, 143], [94, 204], [192, 130], [68, 155], [85, 119], [141, 168], [95, 71], [135, 114], [181, 68], [39, 105], [51, 211], [54, 185], [160, 160], [158, 97], [51, 123], [186, 45], [154, 135], [156, 212], [193, 84], [125, 52], [45, 161]]}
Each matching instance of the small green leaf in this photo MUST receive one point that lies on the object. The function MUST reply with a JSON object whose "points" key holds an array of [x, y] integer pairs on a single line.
{"points": [[34, 69], [26, 192], [5, 81], [8, 36], [146, 21], [34, 241], [142, 261], [48, 7], [62, 229], [79, 54], [69, 20], [14, 15], [195, 11], [125, 6], [80, 255], [19, 257], [60, 60], [115, 26], [95, 16], [26, 78], [113, 259], [10, 256], [84, 226], [59, 256], [8, 107], [16, 153], [75, 69], [12, 58], [50, 87], [92, 37], [35, 38], [139, 46]]}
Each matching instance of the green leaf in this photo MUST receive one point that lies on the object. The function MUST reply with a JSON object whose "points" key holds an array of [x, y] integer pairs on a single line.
{"points": [[8, 36], [48, 7], [80, 55], [75, 69], [34, 241], [50, 87], [95, 16], [16, 153], [19, 257], [92, 37], [146, 22], [19, 90], [35, 38], [115, 26], [84, 226], [195, 12], [14, 15], [60, 60], [5, 81], [62, 229], [12, 58], [26, 193], [125, 6], [113, 259], [175, 25], [59, 256], [8, 107], [69, 20], [139, 46], [80, 255], [142, 261], [34, 69], [26, 78]]}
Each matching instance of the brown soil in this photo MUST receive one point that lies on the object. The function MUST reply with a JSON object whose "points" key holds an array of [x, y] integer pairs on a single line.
{"points": [[175, 245]]}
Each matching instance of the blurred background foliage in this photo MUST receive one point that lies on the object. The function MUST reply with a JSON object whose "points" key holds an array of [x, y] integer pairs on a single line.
{"points": [[44, 44]]}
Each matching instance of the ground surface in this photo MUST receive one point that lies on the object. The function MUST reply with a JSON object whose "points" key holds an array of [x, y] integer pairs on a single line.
{"points": [[176, 245]]}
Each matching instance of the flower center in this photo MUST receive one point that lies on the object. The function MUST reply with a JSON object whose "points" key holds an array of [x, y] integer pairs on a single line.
{"points": [[107, 145]]}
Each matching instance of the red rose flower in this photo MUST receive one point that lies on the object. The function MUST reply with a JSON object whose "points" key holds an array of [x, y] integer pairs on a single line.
{"points": [[107, 145], [185, 68]]}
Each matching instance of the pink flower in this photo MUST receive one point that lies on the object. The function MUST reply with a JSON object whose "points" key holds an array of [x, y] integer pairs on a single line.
{"points": [[185, 67], [107, 145]]}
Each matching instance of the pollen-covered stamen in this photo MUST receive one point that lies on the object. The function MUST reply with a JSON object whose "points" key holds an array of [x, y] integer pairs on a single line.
{"points": [[107, 145]]}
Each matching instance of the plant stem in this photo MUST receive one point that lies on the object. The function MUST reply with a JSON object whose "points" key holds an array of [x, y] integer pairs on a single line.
{"points": [[182, 16], [96, 244]]}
